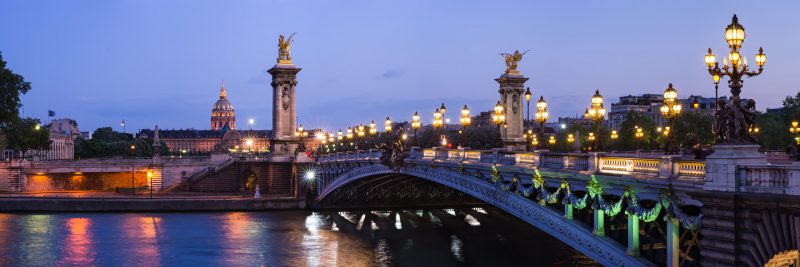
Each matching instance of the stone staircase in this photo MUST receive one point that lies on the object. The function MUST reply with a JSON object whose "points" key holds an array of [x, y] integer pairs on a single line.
{"points": [[280, 179]]}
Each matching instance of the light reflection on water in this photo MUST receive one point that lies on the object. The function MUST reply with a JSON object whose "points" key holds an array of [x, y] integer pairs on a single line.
{"points": [[449, 237]]}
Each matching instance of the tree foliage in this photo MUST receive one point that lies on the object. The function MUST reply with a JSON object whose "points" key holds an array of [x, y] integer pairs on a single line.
{"points": [[26, 134], [106, 142], [11, 87]]}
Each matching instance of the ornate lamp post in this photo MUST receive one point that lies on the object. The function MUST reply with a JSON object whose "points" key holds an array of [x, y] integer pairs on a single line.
{"points": [[360, 133], [528, 103], [596, 113], [794, 128], [499, 118], [339, 137], [350, 136], [639, 135], [732, 119], [415, 124], [443, 109], [387, 125], [670, 109], [614, 135], [465, 122], [438, 121], [541, 114]]}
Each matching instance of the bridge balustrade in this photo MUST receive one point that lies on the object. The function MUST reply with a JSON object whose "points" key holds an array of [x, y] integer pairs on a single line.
{"points": [[770, 179]]}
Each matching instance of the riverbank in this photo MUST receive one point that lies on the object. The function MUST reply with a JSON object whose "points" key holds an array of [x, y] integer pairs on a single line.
{"points": [[47, 204]]}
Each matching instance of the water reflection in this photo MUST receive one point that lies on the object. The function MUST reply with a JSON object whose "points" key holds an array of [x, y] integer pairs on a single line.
{"points": [[431, 237], [79, 246]]}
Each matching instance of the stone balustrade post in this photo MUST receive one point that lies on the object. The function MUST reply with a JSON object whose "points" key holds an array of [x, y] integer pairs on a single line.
{"points": [[633, 235], [462, 154], [496, 155], [594, 162], [599, 222], [566, 163], [666, 167], [673, 242], [537, 158]]}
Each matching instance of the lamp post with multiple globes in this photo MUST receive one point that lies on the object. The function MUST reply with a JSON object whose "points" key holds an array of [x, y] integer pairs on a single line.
{"points": [[596, 113], [415, 124], [734, 36], [499, 117], [670, 109], [541, 115], [465, 122]]}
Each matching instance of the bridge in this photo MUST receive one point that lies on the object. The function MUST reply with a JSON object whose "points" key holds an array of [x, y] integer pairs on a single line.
{"points": [[619, 209]]}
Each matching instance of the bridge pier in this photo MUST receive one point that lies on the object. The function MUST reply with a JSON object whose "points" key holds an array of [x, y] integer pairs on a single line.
{"points": [[633, 235], [599, 222], [673, 242]]}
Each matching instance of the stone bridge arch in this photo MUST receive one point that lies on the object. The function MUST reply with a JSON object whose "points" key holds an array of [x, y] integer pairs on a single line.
{"points": [[603, 249]]}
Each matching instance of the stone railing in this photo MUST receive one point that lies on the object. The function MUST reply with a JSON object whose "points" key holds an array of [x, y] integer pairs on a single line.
{"points": [[664, 167], [769, 179]]}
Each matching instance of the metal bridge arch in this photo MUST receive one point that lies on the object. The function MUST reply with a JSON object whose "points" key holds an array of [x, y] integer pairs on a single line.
{"points": [[604, 250]]}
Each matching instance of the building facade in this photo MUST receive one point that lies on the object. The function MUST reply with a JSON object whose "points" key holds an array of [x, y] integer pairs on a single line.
{"points": [[650, 104], [222, 137]]}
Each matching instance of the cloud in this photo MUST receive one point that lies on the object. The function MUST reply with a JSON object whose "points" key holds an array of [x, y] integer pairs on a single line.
{"points": [[391, 74]]}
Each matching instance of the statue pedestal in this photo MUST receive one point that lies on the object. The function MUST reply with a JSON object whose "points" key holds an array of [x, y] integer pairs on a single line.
{"points": [[721, 166]]}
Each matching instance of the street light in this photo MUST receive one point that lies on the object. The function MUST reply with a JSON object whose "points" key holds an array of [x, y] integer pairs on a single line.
{"points": [[437, 119], [300, 132], [415, 124], [670, 109], [387, 125], [499, 118], [639, 134], [734, 36], [541, 114], [250, 122], [466, 120], [373, 129], [596, 113], [528, 103], [795, 128], [133, 170], [614, 135]]}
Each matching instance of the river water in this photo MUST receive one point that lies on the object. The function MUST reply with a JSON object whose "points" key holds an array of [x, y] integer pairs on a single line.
{"points": [[469, 236]]}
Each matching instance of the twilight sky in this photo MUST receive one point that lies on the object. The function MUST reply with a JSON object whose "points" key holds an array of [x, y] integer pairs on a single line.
{"points": [[162, 62]]}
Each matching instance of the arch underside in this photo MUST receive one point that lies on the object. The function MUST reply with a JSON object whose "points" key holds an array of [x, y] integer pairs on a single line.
{"points": [[604, 250]]}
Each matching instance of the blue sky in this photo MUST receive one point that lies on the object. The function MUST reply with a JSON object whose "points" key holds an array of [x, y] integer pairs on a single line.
{"points": [[162, 62]]}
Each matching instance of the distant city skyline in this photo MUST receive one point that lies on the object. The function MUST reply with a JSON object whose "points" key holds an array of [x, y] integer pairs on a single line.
{"points": [[163, 62]]}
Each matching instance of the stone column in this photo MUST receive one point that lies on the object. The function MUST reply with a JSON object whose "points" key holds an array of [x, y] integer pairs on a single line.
{"points": [[511, 88], [284, 113], [673, 242], [599, 222], [633, 235]]}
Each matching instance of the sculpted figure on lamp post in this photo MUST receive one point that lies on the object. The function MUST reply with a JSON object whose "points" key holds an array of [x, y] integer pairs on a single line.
{"points": [[512, 60], [283, 49]]}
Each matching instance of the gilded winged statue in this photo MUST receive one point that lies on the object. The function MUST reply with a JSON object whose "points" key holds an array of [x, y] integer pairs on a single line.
{"points": [[283, 49], [512, 60]]}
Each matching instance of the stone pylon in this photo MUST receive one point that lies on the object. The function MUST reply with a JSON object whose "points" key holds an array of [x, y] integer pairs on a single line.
{"points": [[284, 109], [512, 86]]}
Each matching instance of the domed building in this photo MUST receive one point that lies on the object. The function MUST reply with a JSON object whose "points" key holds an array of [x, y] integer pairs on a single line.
{"points": [[222, 137], [222, 113]]}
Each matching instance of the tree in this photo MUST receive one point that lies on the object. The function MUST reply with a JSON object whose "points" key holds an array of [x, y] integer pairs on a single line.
{"points": [[627, 132], [26, 134], [691, 128], [11, 86]]}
